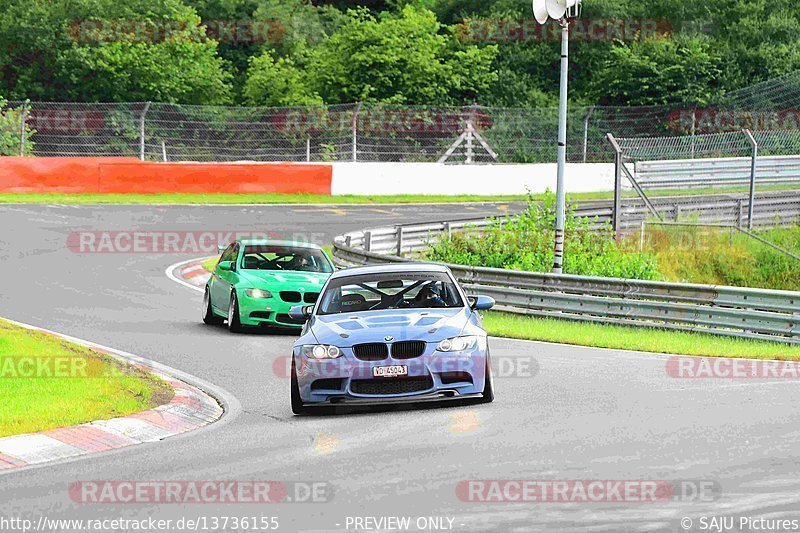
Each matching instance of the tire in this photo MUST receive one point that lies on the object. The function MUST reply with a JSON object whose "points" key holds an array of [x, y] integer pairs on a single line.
{"points": [[234, 325], [487, 396], [297, 402], [208, 315]]}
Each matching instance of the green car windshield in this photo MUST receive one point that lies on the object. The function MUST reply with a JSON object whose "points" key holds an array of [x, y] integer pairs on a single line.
{"points": [[280, 258]]}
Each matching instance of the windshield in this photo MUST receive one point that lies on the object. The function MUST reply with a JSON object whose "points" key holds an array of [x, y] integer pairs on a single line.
{"points": [[401, 290], [260, 257]]}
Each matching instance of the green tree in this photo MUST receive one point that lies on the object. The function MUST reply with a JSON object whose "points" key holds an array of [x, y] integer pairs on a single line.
{"points": [[400, 59], [280, 82], [658, 72], [104, 50]]}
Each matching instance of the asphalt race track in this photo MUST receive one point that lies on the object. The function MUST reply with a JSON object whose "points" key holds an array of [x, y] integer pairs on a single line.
{"points": [[576, 413]]}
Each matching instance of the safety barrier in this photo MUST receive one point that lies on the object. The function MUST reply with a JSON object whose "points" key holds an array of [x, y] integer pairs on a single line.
{"points": [[129, 175], [716, 172], [731, 311]]}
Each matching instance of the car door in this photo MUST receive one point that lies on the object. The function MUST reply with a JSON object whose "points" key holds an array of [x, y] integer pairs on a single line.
{"points": [[220, 286]]}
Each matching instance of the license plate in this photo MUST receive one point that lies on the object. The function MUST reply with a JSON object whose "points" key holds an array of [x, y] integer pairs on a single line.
{"points": [[389, 371]]}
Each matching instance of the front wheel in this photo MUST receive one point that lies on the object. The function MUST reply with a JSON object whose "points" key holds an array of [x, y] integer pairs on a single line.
{"points": [[487, 396], [208, 315], [234, 325], [297, 402]]}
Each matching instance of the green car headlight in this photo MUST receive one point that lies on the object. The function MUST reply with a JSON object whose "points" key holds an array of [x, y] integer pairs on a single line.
{"points": [[258, 293], [321, 351]]}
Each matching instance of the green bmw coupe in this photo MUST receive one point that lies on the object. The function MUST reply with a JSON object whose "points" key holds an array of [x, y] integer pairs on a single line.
{"points": [[256, 282]]}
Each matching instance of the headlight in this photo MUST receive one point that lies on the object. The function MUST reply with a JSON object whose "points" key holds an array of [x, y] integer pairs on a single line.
{"points": [[258, 293], [321, 351], [457, 344]]}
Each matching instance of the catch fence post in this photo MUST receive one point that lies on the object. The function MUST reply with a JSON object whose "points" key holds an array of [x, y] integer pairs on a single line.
{"points": [[586, 132], [753, 158], [616, 210], [22, 119], [141, 130]]}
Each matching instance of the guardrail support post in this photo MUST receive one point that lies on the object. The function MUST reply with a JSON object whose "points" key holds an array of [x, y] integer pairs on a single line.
{"points": [[754, 157], [739, 212], [616, 210], [448, 229], [141, 130], [368, 241], [399, 241]]}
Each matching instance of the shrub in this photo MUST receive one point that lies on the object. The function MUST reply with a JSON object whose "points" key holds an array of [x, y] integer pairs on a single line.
{"points": [[525, 242]]}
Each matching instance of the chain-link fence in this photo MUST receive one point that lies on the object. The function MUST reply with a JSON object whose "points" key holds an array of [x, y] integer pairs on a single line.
{"points": [[351, 132], [379, 132]]}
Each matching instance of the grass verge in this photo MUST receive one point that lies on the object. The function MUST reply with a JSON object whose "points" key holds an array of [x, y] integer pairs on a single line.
{"points": [[210, 264], [274, 198], [48, 382], [513, 326]]}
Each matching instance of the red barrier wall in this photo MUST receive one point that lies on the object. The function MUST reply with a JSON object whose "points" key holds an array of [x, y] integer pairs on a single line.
{"points": [[129, 175]]}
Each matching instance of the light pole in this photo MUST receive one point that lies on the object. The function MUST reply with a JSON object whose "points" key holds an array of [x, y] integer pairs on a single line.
{"points": [[562, 11]]}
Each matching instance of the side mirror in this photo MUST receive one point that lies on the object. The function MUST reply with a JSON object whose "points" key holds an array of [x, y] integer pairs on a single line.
{"points": [[300, 313], [225, 265], [221, 247], [481, 303]]}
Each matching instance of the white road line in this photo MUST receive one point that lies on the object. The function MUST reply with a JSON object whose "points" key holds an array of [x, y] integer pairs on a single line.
{"points": [[169, 272]]}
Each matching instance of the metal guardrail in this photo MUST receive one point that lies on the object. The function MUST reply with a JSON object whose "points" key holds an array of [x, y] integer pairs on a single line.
{"points": [[770, 209], [732, 311], [716, 172]]}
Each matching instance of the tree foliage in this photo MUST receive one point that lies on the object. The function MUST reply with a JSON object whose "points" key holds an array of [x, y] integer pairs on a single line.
{"points": [[397, 51]]}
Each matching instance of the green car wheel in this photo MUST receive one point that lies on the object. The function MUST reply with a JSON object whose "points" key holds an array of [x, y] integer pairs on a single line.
{"points": [[234, 324], [208, 315]]}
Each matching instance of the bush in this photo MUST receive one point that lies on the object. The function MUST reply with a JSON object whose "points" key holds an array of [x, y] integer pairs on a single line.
{"points": [[9, 131], [525, 242]]}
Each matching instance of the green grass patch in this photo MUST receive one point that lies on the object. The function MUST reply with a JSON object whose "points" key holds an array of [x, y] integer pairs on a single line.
{"points": [[274, 198], [722, 257], [514, 326], [48, 382], [210, 264]]}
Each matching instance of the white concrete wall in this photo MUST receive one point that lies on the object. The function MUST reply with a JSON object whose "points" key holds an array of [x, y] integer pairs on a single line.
{"points": [[435, 178]]}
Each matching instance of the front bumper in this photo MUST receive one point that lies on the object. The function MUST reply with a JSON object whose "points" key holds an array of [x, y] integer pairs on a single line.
{"points": [[265, 311], [432, 376]]}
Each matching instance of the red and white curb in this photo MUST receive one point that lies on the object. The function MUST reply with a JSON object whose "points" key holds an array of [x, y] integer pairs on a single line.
{"points": [[190, 273], [190, 408]]}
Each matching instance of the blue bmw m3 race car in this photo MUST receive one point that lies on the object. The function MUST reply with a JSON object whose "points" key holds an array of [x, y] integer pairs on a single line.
{"points": [[391, 334]]}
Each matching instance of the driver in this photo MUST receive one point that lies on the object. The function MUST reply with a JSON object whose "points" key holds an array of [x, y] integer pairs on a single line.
{"points": [[301, 262], [428, 297]]}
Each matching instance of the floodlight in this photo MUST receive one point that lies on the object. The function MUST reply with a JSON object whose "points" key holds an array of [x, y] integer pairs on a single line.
{"points": [[563, 11]]}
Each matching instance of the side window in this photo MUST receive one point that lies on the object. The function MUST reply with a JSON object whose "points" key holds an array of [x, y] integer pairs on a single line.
{"points": [[228, 254], [234, 254]]}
